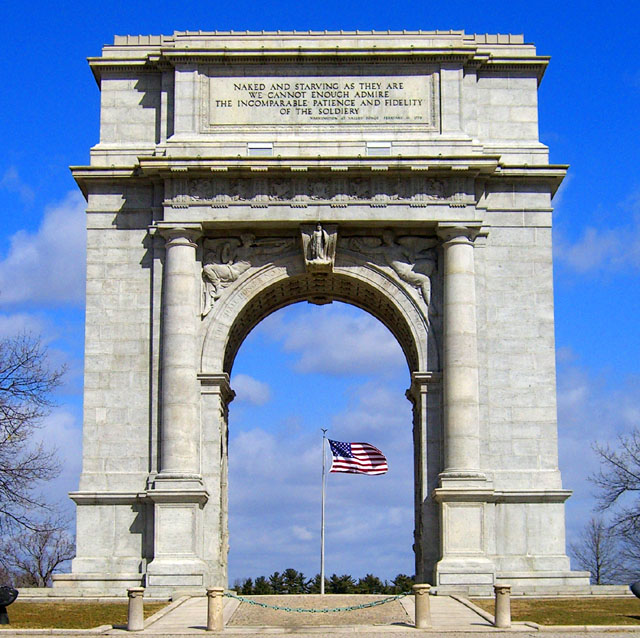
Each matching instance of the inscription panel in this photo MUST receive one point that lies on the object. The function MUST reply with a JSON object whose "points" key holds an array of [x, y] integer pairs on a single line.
{"points": [[297, 100]]}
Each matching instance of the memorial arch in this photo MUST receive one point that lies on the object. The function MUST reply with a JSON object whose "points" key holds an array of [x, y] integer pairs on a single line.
{"points": [[239, 173]]}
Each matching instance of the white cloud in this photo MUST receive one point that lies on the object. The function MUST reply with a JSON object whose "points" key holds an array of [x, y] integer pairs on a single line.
{"points": [[590, 408], [599, 249], [62, 430], [339, 342], [12, 325], [378, 410], [560, 193], [250, 390], [301, 533], [12, 182], [48, 266]]}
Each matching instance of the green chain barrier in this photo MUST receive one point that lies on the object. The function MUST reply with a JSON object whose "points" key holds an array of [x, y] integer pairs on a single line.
{"points": [[301, 610]]}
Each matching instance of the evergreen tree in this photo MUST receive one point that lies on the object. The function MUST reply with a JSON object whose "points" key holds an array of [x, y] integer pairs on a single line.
{"points": [[293, 582], [262, 586], [276, 581], [370, 584], [313, 585], [341, 584], [247, 587], [402, 584]]}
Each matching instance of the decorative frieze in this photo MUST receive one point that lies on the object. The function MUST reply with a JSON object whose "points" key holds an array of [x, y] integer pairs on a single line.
{"points": [[301, 190]]}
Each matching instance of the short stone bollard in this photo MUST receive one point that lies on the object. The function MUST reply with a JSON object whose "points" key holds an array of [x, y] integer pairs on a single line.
{"points": [[502, 618], [423, 608], [135, 616], [215, 621]]}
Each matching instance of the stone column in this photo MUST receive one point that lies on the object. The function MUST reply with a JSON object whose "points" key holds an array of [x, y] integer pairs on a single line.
{"points": [[178, 493], [460, 354], [180, 396]]}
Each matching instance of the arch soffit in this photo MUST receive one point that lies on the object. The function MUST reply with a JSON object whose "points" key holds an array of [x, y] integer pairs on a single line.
{"points": [[277, 285]]}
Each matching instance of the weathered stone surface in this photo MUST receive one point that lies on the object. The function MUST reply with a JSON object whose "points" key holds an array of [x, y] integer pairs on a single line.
{"points": [[237, 173]]}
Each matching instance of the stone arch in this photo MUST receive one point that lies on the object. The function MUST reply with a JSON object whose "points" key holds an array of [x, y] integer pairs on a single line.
{"points": [[277, 285], [261, 291]]}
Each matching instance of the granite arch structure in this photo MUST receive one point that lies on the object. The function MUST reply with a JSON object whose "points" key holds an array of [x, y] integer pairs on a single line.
{"points": [[426, 200], [355, 282]]}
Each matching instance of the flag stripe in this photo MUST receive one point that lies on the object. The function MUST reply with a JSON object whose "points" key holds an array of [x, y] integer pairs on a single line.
{"points": [[357, 458]]}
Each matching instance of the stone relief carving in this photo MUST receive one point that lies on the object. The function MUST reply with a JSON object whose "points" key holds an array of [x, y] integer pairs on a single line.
{"points": [[413, 259], [226, 259], [376, 190], [319, 246]]}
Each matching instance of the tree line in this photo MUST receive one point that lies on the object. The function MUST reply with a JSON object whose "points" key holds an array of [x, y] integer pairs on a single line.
{"points": [[291, 581], [34, 536], [609, 544]]}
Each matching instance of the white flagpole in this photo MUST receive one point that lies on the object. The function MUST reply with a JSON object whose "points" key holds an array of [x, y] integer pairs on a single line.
{"points": [[322, 517]]}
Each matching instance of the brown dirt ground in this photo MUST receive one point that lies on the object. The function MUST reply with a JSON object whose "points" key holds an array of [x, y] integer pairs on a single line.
{"points": [[254, 616]]}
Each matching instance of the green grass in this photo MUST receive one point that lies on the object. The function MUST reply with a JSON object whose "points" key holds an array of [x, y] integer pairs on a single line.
{"points": [[572, 611], [75, 615]]}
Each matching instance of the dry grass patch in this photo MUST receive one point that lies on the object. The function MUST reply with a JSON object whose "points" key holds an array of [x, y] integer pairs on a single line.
{"points": [[75, 615], [572, 611]]}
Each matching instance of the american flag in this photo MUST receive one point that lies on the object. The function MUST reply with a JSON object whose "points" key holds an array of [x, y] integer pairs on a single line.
{"points": [[357, 458]]}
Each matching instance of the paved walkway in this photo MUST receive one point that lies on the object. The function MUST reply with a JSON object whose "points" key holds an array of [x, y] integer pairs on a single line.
{"points": [[452, 616], [188, 617]]}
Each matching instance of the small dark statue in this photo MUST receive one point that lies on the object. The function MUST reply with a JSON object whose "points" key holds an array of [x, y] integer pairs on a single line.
{"points": [[7, 596], [635, 588]]}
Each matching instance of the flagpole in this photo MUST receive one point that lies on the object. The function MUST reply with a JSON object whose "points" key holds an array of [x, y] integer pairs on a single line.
{"points": [[324, 432]]}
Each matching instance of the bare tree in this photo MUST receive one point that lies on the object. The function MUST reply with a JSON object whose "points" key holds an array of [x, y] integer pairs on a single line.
{"points": [[32, 556], [598, 551], [26, 383], [618, 483]]}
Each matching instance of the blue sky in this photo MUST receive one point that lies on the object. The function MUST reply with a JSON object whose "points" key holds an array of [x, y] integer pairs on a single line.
{"points": [[286, 391]]}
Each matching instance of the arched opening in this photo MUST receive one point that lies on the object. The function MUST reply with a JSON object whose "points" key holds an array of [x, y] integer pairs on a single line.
{"points": [[304, 368], [397, 307]]}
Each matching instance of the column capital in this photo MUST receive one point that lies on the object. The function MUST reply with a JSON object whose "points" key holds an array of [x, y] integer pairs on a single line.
{"points": [[420, 382], [185, 234], [216, 384], [458, 233]]}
